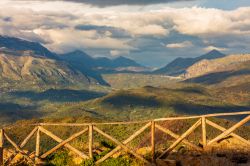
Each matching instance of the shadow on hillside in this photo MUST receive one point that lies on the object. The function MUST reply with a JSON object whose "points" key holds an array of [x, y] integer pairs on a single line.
{"points": [[198, 109], [59, 95], [195, 90], [188, 89], [132, 101], [215, 78], [10, 112]]}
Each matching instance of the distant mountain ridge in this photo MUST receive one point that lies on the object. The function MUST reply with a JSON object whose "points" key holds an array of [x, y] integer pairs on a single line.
{"points": [[12, 50], [26, 71], [16, 44], [101, 64], [227, 63], [74, 62], [226, 71], [179, 65]]}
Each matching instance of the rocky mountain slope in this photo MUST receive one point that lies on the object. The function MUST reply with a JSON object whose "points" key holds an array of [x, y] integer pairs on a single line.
{"points": [[231, 62], [179, 65], [17, 44], [32, 70], [13, 49], [229, 70]]}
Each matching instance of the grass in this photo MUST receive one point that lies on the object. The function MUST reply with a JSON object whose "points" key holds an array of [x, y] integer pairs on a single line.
{"points": [[128, 81], [128, 104], [130, 97]]}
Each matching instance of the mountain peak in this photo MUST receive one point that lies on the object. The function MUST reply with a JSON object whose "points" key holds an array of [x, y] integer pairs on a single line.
{"points": [[77, 52], [214, 51], [213, 54], [179, 65], [18, 44], [122, 61], [121, 58]]}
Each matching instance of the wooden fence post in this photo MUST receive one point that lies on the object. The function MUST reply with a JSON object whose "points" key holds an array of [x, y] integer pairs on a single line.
{"points": [[153, 140], [181, 138], [59, 140], [37, 146], [132, 137], [1, 146], [204, 132], [91, 141], [230, 130]]}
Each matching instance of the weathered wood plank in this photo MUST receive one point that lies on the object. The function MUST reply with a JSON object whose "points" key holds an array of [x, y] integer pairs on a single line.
{"points": [[176, 136], [25, 141], [145, 121], [87, 124], [230, 130], [56, 138], [121, 144], [204, 132], [12, 156], [181, 138], [224, 129], [37, 153], [91, 141], [17, 148], [153, 140], [1, 146], [132, 137], [206, 115], [63, 143]]}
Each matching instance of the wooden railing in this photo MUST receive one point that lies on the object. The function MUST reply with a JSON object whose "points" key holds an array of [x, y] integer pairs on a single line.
{"points": [[202, 121]]}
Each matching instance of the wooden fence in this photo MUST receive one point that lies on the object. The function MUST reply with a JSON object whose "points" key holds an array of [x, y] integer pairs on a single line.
{"points": [[202, 121]]}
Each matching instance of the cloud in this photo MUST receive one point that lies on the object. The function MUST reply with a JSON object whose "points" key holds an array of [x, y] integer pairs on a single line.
{"points": [[118, 52], [155, 30], [65, 40], [121, 29], [105, 3], [210, 48], [180, 45], [211, 22], [106, 30]]}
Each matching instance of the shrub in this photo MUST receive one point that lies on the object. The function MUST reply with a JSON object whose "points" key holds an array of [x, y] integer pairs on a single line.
{"points": [[87, 163], [121, 161], [60, 158]]}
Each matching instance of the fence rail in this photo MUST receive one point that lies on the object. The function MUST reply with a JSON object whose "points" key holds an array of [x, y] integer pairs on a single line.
{"points": [[202, 121]]}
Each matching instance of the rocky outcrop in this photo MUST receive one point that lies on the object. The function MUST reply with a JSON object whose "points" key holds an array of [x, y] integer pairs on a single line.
{"points": [[228, 63], [38, 70]]}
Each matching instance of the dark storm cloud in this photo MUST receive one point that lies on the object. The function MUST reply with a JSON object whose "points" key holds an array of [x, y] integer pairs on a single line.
{"points": [[105, 3], [125, 2], [115, 32]]}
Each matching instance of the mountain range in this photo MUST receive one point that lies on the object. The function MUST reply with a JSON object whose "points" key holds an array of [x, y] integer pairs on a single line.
{"points": [[17, 44], [101, 64], [32, 63], [226, 71], [179, 65], [27, 69]]}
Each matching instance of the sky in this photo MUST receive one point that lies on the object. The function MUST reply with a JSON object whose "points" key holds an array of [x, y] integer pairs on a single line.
{"points": [[151, 32]]}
